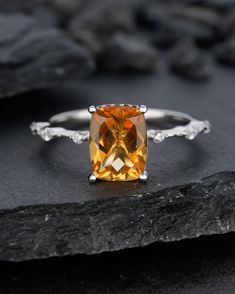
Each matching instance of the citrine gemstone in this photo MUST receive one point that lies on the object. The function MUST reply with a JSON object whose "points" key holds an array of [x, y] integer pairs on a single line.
{"points": [[118, 143]]}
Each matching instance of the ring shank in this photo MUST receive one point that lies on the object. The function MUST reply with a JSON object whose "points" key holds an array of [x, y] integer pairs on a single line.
{"points": [[152, 115], [181, 124], [80, 115]]}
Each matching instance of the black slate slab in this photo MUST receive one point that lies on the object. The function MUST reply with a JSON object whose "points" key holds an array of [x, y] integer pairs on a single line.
{"points": [[49, 209], [35, 55]]}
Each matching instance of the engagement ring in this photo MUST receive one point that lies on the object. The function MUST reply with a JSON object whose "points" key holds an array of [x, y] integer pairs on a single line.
{"points": [[118, 136]]}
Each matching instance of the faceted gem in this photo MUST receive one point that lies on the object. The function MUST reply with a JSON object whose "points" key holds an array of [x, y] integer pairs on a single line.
{"points": [[118, 143]]}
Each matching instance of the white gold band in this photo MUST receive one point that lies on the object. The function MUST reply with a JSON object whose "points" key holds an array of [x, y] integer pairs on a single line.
{"points": [[184, 125]]}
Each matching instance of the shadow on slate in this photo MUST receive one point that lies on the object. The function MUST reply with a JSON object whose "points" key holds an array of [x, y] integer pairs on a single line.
{"points": [[48, 208], [204, 265]]}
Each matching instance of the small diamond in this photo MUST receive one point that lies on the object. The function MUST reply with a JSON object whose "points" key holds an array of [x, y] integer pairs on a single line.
{"points": [[46, 134], [77, 138], [191, 133], [159, 137]]}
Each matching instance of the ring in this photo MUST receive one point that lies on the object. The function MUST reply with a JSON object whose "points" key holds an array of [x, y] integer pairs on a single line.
{"points": [[118, 136]]}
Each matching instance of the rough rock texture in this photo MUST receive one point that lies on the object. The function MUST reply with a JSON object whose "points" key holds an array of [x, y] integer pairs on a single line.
{"points": [[125, 52], [187, 211], [202, 265], [95, 24], [35, 55]]}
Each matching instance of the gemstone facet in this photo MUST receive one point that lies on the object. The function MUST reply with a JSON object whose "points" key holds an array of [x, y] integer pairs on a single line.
{"points": [[118, 143]]}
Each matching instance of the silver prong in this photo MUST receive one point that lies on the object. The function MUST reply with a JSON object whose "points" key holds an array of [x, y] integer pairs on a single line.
{"points": [[144, 176], [92, 109], [92, 178], [143, 108]]}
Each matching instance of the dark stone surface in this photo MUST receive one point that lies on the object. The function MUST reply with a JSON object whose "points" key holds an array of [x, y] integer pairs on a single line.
{"points": [[217, 4], [47, 206], [128, 53], [96, 22], [171, 23], [188, 62], [104, 18], [225, 53], [35, 55], [186, 211]]}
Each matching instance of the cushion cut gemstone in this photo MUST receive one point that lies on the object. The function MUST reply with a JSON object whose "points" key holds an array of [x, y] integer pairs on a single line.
{"points": [[118, 143]]}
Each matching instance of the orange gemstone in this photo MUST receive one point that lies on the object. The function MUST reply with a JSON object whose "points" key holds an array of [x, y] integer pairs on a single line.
{"points": [[118, 143]]}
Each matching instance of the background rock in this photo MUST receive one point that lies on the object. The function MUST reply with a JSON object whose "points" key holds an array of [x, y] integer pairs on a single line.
{"points": [[189, 62], [35, 55], [225, 53], [95, 25], [177, 22], [217, 4], [124, 52]]}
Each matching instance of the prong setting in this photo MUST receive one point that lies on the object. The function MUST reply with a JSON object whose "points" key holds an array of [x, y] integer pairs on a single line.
{"points": [[144, 176], [92, 109], [143, 108], [92, 178]]}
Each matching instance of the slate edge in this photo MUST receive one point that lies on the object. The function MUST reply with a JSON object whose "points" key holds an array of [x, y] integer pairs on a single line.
{"points": [[187, 211]]}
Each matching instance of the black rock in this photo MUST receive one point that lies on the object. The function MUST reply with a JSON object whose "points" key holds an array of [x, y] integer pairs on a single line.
{"points": [[171, 23], [14, 5], [199, 14], [35, 55], [124, 52], [89, 39], [165, 39], [227, 25], [225, 53], [68, 6], [96, 22], [223, 5], [185, 60], [209, 19], [117, 223], [47, 12]]}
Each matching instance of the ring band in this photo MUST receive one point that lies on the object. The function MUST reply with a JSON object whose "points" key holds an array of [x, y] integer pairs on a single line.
{"points": [[118, 135]]}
